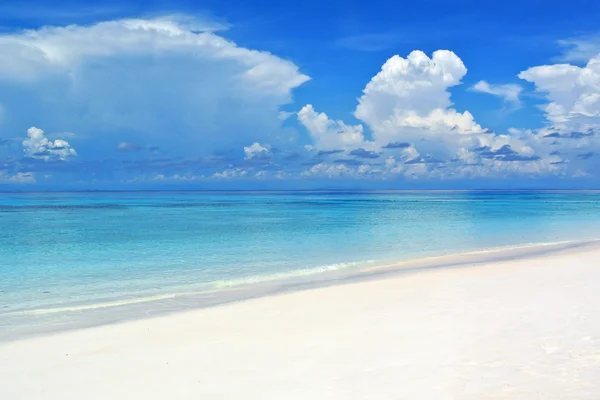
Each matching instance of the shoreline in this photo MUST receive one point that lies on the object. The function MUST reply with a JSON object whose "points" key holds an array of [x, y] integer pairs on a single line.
{"points": [[525, 326], [82, 316]]}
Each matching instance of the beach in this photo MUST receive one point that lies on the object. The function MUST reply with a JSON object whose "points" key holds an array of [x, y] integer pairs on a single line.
{"points": [[270, 200], [526, 328]]}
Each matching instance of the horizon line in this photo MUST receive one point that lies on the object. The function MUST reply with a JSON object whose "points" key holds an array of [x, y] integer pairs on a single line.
{"points": [[300, 190]]}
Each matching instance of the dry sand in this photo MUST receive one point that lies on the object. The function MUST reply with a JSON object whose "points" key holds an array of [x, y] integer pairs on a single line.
{"points": [[521, 329]]}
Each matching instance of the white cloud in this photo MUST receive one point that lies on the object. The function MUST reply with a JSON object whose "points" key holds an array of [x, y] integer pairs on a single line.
{"points": [[185, 177], [35, 53], [580, 174], [328, 170], [168, 81], [256, 151], [19, 178], [508, 92], [328, 134], [573, 93], [406, 102], [572, 113], [503, 169], [409, 98], [124, 146], [579, 49], [410, 153], [284, 115], [38, 146], [407, 107], [230, 173]]}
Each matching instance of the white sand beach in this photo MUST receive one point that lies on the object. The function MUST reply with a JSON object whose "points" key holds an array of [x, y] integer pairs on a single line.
{"points": [[521, 329]]}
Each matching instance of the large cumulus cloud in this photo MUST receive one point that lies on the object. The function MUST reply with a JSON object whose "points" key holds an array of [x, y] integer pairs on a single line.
{"points": [[414, 127], [572, 112], [409, 98], [573, 93], [168, 81]]}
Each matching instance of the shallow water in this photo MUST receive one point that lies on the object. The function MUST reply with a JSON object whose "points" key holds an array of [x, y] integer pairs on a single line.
{"points": [[75, 249]]}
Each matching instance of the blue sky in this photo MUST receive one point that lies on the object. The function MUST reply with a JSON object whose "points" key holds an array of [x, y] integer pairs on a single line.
{"points": [[278, 95]]}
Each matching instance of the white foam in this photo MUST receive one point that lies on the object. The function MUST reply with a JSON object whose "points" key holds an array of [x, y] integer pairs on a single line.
{"points": [[288, 274], [116, 303]]}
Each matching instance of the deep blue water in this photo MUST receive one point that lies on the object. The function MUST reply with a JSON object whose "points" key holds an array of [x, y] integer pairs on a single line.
{"points": [[58, 249]]}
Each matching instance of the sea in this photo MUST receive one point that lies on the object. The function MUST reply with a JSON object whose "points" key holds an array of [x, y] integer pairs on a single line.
{"points": [[82, 250]]}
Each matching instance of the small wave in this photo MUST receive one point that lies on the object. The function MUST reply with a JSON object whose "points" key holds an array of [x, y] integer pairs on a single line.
{"points": [[485, 250], [116, 303], [288, 274], [219, 285], [214, 286]]}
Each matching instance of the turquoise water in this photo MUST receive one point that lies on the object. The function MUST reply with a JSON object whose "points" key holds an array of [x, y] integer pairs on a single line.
{"points": [[61, 249]]}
